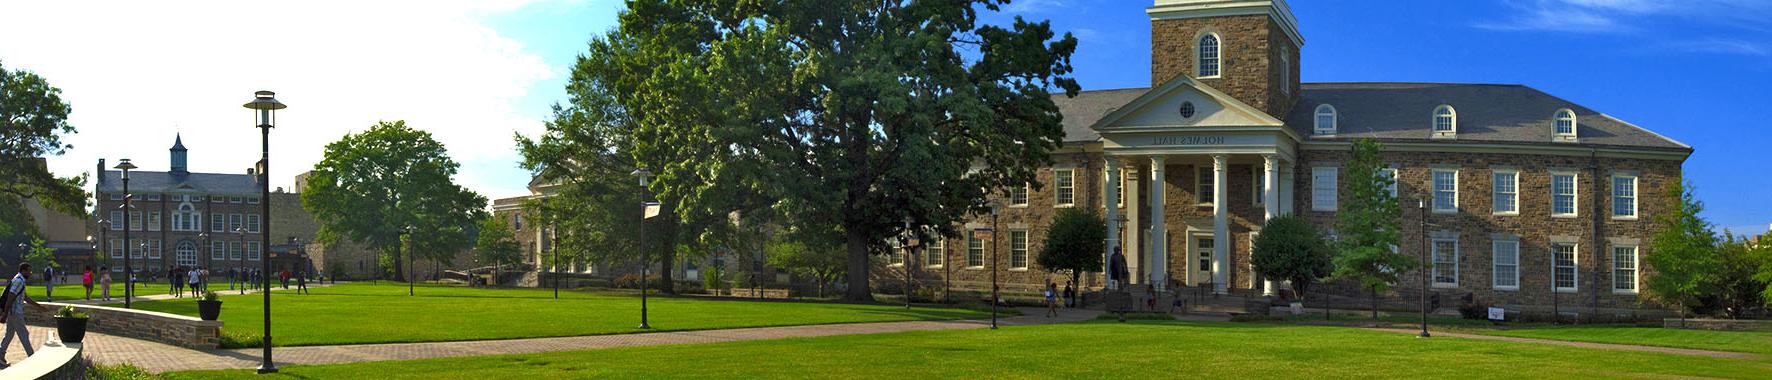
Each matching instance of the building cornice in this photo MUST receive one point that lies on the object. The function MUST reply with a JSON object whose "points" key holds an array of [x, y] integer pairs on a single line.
{"points": [[1274, 9]]}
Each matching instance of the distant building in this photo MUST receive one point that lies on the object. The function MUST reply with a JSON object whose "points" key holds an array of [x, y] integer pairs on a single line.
{"points": [[178, 218]]}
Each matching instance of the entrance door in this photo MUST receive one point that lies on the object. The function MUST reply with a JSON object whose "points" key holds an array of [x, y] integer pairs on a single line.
{"points": [[1201, 263], [187, 254]]}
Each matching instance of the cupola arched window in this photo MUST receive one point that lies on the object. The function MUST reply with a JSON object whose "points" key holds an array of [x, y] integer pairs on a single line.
{"points": [[1208, 65], [1326, 119], [1445, 121], [1564, 121]]}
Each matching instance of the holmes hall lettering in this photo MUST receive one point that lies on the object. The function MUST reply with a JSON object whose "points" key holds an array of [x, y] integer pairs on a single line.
{"points": [[1187, 140]]}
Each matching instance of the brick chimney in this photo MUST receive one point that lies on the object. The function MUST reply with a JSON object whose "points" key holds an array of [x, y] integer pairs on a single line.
{"points": [[101, 171]]}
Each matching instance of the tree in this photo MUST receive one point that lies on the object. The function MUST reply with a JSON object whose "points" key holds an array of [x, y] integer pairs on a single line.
{"points": [[1737, 291], [1760, 250], [819, 257], [33, 119], [1682, 253], [1074, 243], [853, 114], [41, 255], [370, 186], [497, 244], [1367, 224], [1291, 248]]}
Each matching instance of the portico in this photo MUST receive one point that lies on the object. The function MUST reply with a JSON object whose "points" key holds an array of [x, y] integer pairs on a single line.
{"points": [[1202, 172]]}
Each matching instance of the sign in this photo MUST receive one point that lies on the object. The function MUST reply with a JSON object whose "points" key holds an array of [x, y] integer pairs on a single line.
{"points": [[651, 210], [1496, 313], [1187, 140], [981, 233]]}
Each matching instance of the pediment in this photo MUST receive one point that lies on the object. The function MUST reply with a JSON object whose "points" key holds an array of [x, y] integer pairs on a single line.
{"points": [[1184, 103]]}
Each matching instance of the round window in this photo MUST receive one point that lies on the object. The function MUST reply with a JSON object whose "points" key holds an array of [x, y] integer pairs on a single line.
{"points": [[1187, 109]]}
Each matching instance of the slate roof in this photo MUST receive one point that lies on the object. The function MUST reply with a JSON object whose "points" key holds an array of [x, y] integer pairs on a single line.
{"points": [[1487, 113], [206, 183]]}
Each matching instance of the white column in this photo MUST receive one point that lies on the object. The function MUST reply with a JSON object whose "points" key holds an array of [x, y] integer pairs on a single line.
{"points": [[1159, 247], [1270, 194], [1111, 173], [1221, 235], [1131, 246]]}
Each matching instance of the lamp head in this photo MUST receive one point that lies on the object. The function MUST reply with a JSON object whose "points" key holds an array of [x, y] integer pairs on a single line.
{"points": [[644, 175], [265, 102]]}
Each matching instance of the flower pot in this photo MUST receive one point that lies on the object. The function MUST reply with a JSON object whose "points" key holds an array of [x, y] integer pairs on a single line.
{"points": [[71, 330], [209, 310]]}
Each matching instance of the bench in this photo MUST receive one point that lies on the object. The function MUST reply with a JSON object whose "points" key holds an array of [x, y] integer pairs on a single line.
{"points": [[54, 361]]}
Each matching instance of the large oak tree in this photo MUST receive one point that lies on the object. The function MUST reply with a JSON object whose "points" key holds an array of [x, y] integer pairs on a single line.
{"points": [[850, 116], [33, 119]]}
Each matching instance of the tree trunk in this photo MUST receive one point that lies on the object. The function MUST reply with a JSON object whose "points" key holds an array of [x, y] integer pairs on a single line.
{"points": [[665, 262], [1374, 302], [857, 245], [399, 275]]}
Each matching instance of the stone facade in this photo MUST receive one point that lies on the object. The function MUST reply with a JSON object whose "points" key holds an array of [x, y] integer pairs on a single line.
{"points": [[173, 329], [1251, 50]]}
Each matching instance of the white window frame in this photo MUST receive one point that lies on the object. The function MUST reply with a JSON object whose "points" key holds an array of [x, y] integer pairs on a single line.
{"points": [[236, 222], [1512, 194], [253, 251], [1257, 178], [1064, 187], [1574, 267], [895, 257], [1024, 192], [1285, 69], [153, 220], [1557, 125], [1120, 193], [135, 220], [1452, 123], [935, 253], [1325, 199], [1019, 249], [1436, 255], [253, 222], [218, 222], [1574, 194], [218, 250], [1636, 274], [1434, 188], [251, 200], [1393, 173], [1635, 212], [116, 248], [234, 250], [1495, 255], [1204, 176], [1200, 58], [116, 220], [1317, 120], [969, 249]]}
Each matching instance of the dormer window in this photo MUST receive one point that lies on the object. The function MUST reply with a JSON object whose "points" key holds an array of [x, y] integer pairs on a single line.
{"points": [[1208, 54], [1564, 121], [1325, 120], [1445, 121]]}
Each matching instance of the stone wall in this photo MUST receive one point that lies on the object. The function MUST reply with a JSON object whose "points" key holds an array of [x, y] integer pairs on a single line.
{"points": [[173, 329], [1249, 58]]}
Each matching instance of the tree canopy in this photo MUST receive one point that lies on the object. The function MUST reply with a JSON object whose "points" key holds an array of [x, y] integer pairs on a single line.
{"points": [[1074, 242], [1682, 252], [1291, 248], [497, 243], [1367, 224], [370, 186], [33, 119], [848, 116]]}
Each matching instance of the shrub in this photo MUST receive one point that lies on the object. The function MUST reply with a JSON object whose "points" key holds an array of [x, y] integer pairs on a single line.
{"points": [[211, 296], [69, 312], [632, 281], [1473, 308]]}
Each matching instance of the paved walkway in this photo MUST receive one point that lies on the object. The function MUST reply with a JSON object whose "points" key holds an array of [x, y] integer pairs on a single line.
{"points": [[156, 357], [1602, 346]]}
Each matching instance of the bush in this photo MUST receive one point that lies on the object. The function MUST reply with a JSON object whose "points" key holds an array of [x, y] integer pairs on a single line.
{"points": [[632, 281], [118, 372], [1472, 308]]}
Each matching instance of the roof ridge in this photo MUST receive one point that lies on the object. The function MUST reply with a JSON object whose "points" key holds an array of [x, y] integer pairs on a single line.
{"points": [[1420, 83]]}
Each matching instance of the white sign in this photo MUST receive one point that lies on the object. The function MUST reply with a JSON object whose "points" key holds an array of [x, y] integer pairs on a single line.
{"points": [[651, 210], [1496, 313]]}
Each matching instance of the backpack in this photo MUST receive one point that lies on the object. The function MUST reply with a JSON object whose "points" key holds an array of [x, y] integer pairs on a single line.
{"points": [[7, 299]]}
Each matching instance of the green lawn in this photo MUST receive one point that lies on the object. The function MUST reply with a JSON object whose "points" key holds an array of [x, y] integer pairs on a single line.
{"points": [[1135, 350], [64, 292], [1736, 341], [365, 313]]}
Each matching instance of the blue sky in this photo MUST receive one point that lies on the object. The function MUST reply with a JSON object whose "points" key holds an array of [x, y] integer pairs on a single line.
{"points": [[475, 72]]}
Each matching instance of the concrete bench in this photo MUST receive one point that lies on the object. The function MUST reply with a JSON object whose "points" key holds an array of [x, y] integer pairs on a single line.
{"points": [[55, 361], [173, 329]]}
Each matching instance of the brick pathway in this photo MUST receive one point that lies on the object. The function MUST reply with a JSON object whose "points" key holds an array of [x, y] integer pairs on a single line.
{"points": [[1602, 346]]}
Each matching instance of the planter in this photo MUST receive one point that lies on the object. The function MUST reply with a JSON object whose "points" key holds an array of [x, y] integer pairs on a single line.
{"points": [[209, 310], [71, 330]]}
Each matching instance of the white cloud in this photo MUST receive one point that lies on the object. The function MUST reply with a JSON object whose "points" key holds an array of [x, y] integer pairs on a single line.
{"points": [[137, 72], [1558, 17], [1032, 6]]}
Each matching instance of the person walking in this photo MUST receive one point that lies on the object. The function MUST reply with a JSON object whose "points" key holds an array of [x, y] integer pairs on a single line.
{"points": [[177, 276], [104, 283], [283, 278], [194, 278], [1150, 297], [49, 283], [14, 313], [1051, 299], [301, 282], [86, 281], [1070, 294]]}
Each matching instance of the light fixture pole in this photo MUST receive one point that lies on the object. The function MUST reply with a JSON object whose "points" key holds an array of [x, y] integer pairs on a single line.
{"points": [[645, 177], [411, 272], [906, 244], [552, 246], [266, 105], [996, 208], [204, 236], [128, 271], [1421, 207]]}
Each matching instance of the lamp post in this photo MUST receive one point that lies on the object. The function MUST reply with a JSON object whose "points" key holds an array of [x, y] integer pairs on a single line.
{"points": [[555, 270], [240, 265], [645, 177], [104, 227], [411, 246], [996, 207], [128, 286], [204, 236], [266, 105], [1421, 206]]}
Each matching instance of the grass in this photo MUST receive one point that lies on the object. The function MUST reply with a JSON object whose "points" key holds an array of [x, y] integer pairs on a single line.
{"points": [[1142, 349], [364, 313], [1642, 335]]}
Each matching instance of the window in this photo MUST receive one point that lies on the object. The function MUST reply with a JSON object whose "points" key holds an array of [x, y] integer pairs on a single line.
{"points": [[936, 254], [1204, 249], [1624, 269], [1285, 70], [252, 251], [1624, 196], [1120, 190], [196, 198], [1445, 262], [1203, 184], [251, 200], [116, 248], [136, 248], [116, 220], [1018, 196], [1506, 254], [895, 257], [1506, 192], [153, 197], [234, 199], [1325, 120], [1562, 194], [215, 199], [1445, 120], [154, 249], [1258, 183], [974, 252], [1391, 174], [252, 223], [153, 221], [235, 222], [1065, 187], [218, 250], [1323, 189], [1563, 274], [1018, 249], [1445, 190], [1208, 56], [218, 222], [187, 254], [517, 221], [234, 250], [1565, 121], [116, 196]]}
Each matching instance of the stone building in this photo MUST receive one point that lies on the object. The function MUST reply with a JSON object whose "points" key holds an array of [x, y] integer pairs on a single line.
{"points": [[1529, 199], [178, 218]]}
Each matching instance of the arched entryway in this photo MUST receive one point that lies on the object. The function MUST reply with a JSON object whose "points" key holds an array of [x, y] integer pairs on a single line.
{"points": [[187, 254]]}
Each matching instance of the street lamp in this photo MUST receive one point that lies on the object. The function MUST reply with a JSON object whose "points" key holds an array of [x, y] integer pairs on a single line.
{"points": [[128, 271], [410, 257], [645, 177], [555, 270], [210, 263], [996, 208], [1421, 201], [240, 265], [266, 105]]}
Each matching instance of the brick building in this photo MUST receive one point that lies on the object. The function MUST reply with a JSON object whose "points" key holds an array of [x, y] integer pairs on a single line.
{"points": [[1529, 197]]}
